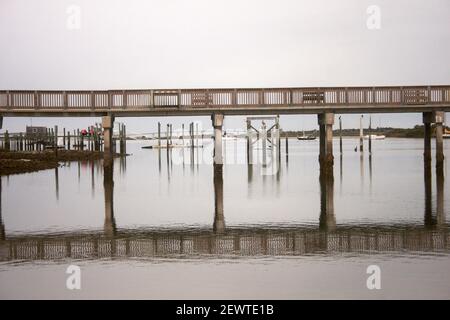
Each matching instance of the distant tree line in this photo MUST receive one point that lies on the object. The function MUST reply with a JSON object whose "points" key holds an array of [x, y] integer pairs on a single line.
{"points": [[415, 132]]}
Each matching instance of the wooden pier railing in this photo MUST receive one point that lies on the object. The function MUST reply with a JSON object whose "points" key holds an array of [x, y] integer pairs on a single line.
{"points": [[210, 99]]}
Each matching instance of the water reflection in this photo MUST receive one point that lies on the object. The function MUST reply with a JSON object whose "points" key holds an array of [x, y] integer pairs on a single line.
{"points": [[176, 243], [92, 179], [429, 221], [361, 170], [327, 220], [436, 218], [57, 183], [108, 185], [219, 218], [370, 172], [326, 237], [440, 214]]}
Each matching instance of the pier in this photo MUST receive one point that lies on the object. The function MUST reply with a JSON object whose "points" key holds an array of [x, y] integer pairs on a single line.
{"points": [[432, 101]]}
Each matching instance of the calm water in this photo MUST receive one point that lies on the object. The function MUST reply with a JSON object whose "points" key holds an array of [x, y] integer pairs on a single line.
{"points": [[158, 225]]}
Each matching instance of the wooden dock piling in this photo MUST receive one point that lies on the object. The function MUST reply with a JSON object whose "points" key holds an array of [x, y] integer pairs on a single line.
{"points": [[361, 132]]}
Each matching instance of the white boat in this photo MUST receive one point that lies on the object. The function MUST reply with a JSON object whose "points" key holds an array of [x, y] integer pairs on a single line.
{"points": [[446, 134], [375, 137], [306, 137]]}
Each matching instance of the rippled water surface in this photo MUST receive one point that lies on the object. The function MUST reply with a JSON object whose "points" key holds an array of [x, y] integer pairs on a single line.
{"points": [[171, 225]]}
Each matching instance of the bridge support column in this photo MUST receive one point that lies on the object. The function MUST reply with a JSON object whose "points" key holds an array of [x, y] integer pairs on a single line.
{"points": [[107, 124], [428, 119], [326, 121], [1, 122], [439, 118], [217, 121]]}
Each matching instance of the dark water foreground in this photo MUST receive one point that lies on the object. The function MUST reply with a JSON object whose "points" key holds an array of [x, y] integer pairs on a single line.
{"points": [[170, 225]]}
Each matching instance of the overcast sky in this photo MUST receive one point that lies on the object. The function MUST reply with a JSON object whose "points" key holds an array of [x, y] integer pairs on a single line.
{"points": [[45, 44]]}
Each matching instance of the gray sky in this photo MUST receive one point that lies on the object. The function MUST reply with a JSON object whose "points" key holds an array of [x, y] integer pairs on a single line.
{"points": [[221, 43]]}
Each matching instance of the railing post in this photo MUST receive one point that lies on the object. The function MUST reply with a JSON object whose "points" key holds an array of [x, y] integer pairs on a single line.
{"points": [[110, 100], [92, 100], [346, 95], [124, 99], [65, 100], [179, 99], [7, 99], [39, 99], [152, 102], [207, 98], [428, 94], [401, 95], [11, 99], [234, 97], [373, 96], [35, 100]]}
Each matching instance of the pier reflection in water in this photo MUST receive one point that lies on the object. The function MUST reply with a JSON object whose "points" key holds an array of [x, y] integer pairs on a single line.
{"points": [[324, 238], [108, 185]]}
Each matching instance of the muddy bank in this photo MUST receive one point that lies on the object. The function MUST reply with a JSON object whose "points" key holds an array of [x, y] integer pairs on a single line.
{"points": [[12, 162], [16, 166]]}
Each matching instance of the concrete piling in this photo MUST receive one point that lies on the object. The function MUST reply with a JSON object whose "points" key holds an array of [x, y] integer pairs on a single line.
{"points": [[217, 121], [107, 124], [439, 130], [326, 121], [427, 121]]}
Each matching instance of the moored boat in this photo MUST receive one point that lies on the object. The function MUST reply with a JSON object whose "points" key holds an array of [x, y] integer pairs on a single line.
{"points": [[375, 137], [306, 137]]}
